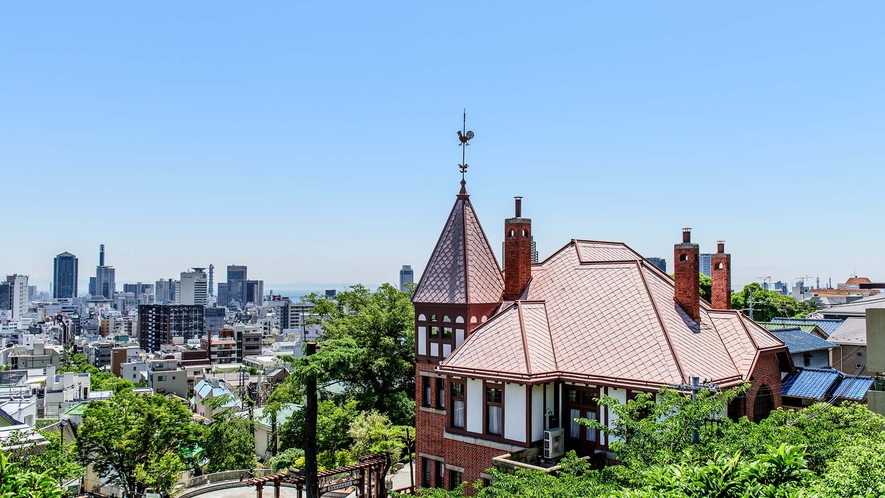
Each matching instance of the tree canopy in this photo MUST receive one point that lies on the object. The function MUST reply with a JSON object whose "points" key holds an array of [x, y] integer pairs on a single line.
{"points": [[136, 440], [16, 482], [769, 304], [368, 346], [822, 451]]}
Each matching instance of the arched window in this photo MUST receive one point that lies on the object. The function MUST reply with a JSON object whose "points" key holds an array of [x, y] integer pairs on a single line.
{"points": [[447, 319], [422, 318], [459, 319], [484, 318], [764, 403], [511, 233], [525, 233], [683, 257], [719, 266], [433, 318], [472, 319]]}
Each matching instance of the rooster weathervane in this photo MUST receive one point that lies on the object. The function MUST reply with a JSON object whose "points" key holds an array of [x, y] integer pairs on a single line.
{"points": [[464, 136]]}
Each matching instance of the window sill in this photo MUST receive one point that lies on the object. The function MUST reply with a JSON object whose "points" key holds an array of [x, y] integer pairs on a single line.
{"points": [[432, 410]]}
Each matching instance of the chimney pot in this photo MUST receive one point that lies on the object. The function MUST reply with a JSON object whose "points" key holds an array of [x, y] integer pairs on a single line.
{"points": [[720, 246], [518, 206], [686, 235]]}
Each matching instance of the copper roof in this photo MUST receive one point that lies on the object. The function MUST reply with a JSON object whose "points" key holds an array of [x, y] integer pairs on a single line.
{"points": [[462, 269], [598, 311]]}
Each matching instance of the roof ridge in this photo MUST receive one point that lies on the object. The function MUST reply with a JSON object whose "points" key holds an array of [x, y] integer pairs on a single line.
{"points": [[525, 340], [550, 334], [654, 306]]}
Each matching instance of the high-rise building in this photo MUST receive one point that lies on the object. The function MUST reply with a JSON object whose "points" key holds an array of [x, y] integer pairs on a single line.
{"points": [[292, 314], [18, 295], [255, 292], [193, 288], [159, 324], [236, 285], [222, 294], [164, 291], [659, 262], [105, 284], [534, 251], [406, 276], [705, 260], [92, 286], [212, 280], [64, 276], [213, 321], [5, 296]]}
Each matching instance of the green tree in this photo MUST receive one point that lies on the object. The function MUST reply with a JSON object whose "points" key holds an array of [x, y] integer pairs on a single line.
{"points": [[769, 304], [56, 460], [228, 443], [373, 433], [706, 286], [651, 431], [333, 422], [16, 482], [136, 440], [368, 345]]}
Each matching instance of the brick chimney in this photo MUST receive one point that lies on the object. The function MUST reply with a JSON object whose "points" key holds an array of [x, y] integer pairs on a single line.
{"points": [[517, 253], [687, 263], [720, 269]]}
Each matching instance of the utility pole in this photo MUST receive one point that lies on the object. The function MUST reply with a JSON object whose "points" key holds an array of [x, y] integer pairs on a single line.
{"points": [[695, 387], [310, 430]]}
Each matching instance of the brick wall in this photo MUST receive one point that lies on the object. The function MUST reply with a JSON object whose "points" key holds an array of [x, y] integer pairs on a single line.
{"points": [[766, 373], [686, 261], [517, 256], [720, 290]]}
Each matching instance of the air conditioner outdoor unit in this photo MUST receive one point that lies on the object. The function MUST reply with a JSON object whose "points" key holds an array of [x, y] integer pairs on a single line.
{"points": [[554, 443]]}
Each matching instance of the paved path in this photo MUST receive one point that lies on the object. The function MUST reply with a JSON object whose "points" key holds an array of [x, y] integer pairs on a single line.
{"points": [[249, 492]]}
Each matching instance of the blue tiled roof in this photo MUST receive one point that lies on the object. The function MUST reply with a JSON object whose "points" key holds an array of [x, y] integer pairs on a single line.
{"points": [[809, 383], [855, 389], [798, 341], [819, 383], [828, 325]]}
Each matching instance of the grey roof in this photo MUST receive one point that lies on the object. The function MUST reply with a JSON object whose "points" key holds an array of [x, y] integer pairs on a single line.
{"points": [[852, 333], [827, 325], [856, 308], [798, 341]]}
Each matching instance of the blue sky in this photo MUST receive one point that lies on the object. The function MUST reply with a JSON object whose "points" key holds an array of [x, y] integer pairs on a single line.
{"points": [[317, 142]]}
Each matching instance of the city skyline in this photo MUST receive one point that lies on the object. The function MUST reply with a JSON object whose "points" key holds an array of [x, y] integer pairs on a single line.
{"points": [[614, 123]]}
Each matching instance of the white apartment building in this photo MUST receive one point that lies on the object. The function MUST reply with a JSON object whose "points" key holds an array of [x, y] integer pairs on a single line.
{"points": [[19, 299], [192, 288]]}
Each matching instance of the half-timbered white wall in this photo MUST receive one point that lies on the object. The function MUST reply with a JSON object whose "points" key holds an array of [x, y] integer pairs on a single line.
{"points": [[515, 408], [474, 405], [538, 412], [621, 396]]}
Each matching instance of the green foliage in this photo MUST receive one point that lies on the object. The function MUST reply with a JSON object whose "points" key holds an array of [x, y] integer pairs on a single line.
{"points": [[333, 422], [56, 460], [776, 474], [769, 304], [16, 482], [373, 433], [285, 459], [822, 451], [706, 286], [368, 345], [136, 440], [228, 443], [660, 432]]}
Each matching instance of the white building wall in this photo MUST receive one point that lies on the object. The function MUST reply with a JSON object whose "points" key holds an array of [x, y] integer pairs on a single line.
{"points": [[515, 408], [611, 416], [538, 412], [474, 405]]}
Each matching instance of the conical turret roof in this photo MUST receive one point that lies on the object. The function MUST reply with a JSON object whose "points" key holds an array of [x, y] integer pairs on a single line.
{"points": [[463, 268]]}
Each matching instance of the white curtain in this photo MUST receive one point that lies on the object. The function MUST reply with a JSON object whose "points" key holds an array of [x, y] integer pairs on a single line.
{"points": [[458, 414], [575, 428], [495, 419], [591, 432]]}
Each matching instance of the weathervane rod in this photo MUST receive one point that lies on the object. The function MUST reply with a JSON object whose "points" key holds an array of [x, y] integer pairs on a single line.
{"points": [[464, 137]]}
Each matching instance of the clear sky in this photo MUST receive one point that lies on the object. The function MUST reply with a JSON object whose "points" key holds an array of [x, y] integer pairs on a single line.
{"points": [[317, 142]]}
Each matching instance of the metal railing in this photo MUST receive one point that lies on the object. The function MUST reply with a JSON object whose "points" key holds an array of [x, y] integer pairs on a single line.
{"points": [[228, 475]]}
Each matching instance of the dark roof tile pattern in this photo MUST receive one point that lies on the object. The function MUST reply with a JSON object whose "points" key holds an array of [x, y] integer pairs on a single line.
{"points": [[820, 383], [462, 268], [798, 341]]}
